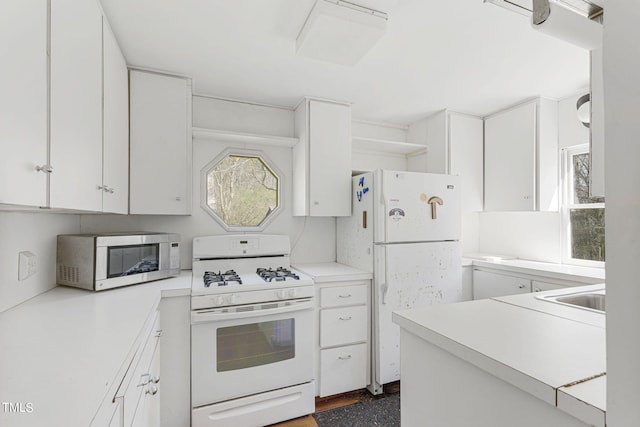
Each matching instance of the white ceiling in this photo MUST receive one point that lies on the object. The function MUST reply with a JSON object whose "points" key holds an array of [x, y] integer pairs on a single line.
{"points": [[464, 55]]}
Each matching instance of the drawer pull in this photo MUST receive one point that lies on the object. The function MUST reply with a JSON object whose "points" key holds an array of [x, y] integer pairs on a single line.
{"points": [[344, 357], [154, 379], [345, 296], [346, 318]]}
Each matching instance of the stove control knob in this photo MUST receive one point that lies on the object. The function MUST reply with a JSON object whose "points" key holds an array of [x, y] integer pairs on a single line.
{"points": [[292, 293], [232, 299], [217, 300], [282, 293]]}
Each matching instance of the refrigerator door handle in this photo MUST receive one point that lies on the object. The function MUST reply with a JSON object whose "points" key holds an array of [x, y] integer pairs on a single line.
{"points": [[385, 285]]}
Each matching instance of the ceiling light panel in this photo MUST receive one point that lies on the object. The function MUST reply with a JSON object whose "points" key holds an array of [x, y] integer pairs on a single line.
{"points": [[340, 32]]}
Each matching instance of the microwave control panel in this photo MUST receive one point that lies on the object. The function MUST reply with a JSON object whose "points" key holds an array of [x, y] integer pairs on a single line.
{"points": [[174, 255]]}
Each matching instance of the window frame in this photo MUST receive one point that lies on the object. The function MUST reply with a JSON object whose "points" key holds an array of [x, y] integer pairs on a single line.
{"points": [[242, 153], [568, 204]]}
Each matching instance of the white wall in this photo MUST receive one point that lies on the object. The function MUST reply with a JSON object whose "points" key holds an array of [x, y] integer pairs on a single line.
{"points": [[34, 232], [570, 130], [622, 175], [534, 235], [526, 235], [313, 239]]}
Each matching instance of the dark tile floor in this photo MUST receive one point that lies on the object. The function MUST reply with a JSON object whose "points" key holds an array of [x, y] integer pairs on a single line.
{"points": [[337, 401]]}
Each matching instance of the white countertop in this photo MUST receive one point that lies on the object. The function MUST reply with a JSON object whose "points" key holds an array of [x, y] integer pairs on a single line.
{"points": [[62, 350], [589, 275], [536, 351], [332, 272]]}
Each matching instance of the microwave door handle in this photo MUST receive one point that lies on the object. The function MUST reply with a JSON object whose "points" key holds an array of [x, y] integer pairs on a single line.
{"points": [[212, 316]]}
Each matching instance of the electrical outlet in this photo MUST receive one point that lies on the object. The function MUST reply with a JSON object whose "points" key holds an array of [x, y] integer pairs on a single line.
{"points": [[27, 265]]}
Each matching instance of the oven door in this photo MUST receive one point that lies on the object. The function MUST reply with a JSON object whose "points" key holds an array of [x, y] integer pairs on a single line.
{"points": [[248, 349]]}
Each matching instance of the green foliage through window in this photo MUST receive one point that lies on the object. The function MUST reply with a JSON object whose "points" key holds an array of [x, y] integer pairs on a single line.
{"points": [[586, 213], [242, 191]]}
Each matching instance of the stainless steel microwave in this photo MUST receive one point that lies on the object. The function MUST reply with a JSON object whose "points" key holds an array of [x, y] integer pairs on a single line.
{"points": [[110, 260]]}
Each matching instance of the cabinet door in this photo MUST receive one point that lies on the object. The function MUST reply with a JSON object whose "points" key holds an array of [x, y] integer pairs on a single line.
{"points": [[343, 369], [76, 105], [23, 103], [510, 147], [489, 285], [148, 411], [160, 144], [115, 161], [329, 159]]}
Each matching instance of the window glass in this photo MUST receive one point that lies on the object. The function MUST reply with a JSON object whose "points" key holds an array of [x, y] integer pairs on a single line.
{"points": [[241, 190], [583, 214]]}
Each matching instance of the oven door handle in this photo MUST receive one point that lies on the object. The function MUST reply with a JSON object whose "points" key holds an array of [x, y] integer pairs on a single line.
{"points": [[205, 316]]}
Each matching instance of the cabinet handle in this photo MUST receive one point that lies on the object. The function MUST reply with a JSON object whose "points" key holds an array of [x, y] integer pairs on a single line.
{"points": [[152, 390], [178, 198], [522, 286], [344, 296], [45, 168], [144, 380], [347, 357], [106, 189], [345, 318], [364, 219], [154, 379], [537, 290], [158, 333]]}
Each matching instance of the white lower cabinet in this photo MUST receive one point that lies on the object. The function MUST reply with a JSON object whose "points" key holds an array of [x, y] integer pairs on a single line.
{"points": [[137, 399], [538, 286], [343, 336], [343, 325], [488, 284], [342, 368]]}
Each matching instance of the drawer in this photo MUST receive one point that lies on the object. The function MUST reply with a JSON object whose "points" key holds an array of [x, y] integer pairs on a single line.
{"points": [[138, 376], [343, 295], [343, 325], [343, 369]]}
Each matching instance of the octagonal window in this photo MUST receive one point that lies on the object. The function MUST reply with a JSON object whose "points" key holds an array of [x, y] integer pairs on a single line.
{"points": [[242, 191]]}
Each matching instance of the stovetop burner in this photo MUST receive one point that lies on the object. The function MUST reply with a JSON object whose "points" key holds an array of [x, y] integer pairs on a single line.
{"points": [[221, 279], [280, 274]]}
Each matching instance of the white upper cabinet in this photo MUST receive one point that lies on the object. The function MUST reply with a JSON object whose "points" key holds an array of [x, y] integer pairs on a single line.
{"points": [[115, 164], [76, 105], [322, 159], [596, 127], [160, 144], [23, 103], [521, 158]]}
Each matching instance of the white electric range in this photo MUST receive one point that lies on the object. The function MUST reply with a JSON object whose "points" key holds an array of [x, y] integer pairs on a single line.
{"points": [[251, 332]]}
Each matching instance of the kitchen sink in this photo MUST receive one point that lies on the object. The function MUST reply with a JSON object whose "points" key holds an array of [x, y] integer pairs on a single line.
{"points": [[588, 300]]}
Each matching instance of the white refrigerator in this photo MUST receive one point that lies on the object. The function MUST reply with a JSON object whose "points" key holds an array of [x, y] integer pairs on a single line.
{"points": [[405, 229]]}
